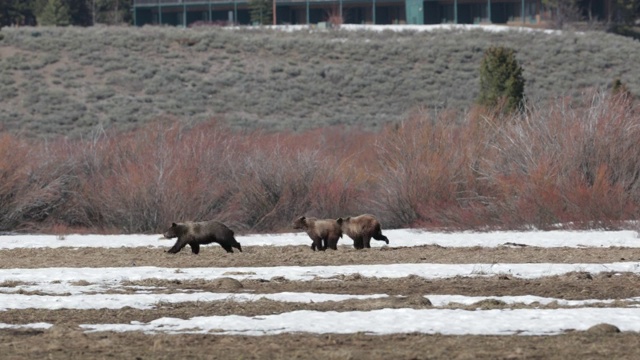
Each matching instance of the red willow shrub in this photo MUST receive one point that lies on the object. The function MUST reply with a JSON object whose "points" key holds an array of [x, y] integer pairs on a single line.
{"points": [[429, 172], [559, 165], [555, 166], [278, 177], [143, 180], [572, 165], [37, 182]]}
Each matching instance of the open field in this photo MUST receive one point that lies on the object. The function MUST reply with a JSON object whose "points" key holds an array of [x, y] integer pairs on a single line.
{"points": [[509, 301], [71, 81]]}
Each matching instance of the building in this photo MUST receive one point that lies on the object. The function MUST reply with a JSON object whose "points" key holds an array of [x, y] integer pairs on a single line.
{"points": [[188, 12]]}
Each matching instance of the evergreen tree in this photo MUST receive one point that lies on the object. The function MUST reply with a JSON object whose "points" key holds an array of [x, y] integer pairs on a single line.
{"points": [[261, 11], [55, 12], [17, 12], [501, 80], [79, 12], [625, 12], [623, 17]]}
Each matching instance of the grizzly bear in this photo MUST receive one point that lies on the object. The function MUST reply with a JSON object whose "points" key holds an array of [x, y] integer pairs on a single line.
{"points": [[361, 229], [324, 233], [195, 234]]}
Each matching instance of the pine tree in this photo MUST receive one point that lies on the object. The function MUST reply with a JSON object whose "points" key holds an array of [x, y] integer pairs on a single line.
{"points": [[501, 80], [55, 12], [17, 12], [261, 11]]}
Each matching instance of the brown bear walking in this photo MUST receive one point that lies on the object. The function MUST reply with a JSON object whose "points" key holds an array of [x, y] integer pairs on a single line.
{"points": [[195, 234], [324, 233], [361, 229]]}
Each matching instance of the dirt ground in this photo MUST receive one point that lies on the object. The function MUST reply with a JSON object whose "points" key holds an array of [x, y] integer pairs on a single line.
{"points": [[68, 343], [214, 256], [65, 340]]}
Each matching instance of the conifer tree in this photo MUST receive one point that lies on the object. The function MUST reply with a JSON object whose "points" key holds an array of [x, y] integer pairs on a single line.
{"points": [[501, 80], [55, 12], [261, 11]]}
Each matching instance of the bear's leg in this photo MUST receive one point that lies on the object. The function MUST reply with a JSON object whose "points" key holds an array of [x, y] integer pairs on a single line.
{"points": [[367, 241], [178, 245], [237, 246], [195, 247], [357, 243], [316, 242], [227, 247], [381, 237], [332, 243], [378, 235]]}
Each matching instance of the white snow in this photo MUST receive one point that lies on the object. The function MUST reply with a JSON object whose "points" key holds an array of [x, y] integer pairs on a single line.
{"points": [[80, 288], [397, 238], [108, 276], [390, 321], [149, 301], [409, 27]]}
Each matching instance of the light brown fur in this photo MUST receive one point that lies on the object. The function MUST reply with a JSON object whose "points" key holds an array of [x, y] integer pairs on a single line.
{"points": [[361, 229], [324, 232]]}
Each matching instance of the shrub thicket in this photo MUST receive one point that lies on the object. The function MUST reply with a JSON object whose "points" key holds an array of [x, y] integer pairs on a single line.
{"points": [[559, 165]]}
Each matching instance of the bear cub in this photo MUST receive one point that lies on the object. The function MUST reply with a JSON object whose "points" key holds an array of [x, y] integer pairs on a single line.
{"points": [[324, 233], [361, 229], [195, 234]]}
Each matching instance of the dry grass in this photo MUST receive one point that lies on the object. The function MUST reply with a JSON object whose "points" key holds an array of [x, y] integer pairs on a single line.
{"points": [[62, 342], [214, 256]]}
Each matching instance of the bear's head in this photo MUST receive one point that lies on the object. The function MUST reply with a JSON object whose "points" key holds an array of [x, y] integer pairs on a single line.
{"points": [[300, 223], [174, 231]]}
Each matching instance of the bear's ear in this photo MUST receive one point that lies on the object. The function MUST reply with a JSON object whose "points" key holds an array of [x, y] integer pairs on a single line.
{"points": [[174, 225], [302, 218], [339, 220], [348, 218]]}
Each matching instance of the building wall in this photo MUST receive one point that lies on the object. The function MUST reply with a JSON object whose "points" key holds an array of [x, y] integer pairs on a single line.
{"points": [[354, 12]]}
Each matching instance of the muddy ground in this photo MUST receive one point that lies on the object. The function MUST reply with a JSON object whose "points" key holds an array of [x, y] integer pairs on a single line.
{"points": [[68, 343], [214, 256], [65, 340]]}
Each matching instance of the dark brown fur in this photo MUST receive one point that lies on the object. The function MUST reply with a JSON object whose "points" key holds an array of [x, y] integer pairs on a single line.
{"points": [[325, 233], [195, 234], [361, 229]]}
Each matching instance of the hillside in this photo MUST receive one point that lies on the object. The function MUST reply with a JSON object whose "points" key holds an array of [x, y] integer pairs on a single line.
{"points": [[70, 80]]}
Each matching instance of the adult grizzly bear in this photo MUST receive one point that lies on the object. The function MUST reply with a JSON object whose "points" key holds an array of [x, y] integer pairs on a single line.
{"points": [[361, 229], [324, 233], [195, 234]]}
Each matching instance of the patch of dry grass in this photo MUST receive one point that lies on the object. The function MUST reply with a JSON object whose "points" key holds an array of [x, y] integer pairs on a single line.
{"points": [[63, 342], [214, 256]]}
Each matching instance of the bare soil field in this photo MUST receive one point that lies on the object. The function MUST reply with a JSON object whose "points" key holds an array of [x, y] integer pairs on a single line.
{"points": [[214, 256], [68, 343], [66, 340]]}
